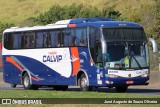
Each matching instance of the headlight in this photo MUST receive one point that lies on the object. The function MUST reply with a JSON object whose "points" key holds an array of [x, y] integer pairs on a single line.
{"points": [[111, 76], [145, 75]]}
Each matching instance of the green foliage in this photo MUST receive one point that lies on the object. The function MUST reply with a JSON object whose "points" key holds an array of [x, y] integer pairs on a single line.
{"points": [[31, 21], [4, 26], [56, 13], [155, 31], [111, 13], [146, 18]]}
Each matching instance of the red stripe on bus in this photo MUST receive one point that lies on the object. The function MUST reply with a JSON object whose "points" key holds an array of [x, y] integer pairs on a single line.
{"points": [[72, 25], [9, 59], [76, 62], [35, 79]]}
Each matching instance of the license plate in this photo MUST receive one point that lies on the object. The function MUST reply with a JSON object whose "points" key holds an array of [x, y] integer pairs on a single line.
{"points": [[129, 82]]}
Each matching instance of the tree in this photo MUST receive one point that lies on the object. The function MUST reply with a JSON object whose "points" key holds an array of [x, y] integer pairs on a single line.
{"points": [[4, 26], [110, 13], [73, 11], [156, 18]]}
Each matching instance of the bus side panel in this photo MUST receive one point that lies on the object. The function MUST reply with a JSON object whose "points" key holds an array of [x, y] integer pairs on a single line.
{"points": [[10, 73], [88, 66], [40, 73], [95, 74], [82, 62]]}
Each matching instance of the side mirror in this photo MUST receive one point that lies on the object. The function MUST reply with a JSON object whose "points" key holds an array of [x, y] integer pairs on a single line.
{"points": [[103, 46], [154, 44]]}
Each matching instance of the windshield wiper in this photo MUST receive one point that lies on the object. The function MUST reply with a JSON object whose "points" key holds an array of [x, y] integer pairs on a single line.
{"points": [[132, 55]]}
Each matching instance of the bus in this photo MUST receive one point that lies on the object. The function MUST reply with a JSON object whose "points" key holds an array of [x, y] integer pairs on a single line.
{"points": [[85, 52]]}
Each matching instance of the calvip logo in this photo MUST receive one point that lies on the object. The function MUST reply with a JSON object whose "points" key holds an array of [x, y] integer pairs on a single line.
{"points": [[6, 101]]}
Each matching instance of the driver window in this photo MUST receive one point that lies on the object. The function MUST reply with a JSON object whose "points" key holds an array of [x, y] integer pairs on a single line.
{"points": [[98, 54]]}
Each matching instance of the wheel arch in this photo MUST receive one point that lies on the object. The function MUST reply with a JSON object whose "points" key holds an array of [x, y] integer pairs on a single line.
{"points": [[26, 71], [79, 74]]}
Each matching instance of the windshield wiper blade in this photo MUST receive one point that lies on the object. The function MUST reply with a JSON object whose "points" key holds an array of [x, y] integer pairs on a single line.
{"points": [[137, 62]]}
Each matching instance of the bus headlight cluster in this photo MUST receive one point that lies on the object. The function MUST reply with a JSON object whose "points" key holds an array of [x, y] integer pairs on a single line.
{"points": [[109, 82], [111, 76], [145, 75]]}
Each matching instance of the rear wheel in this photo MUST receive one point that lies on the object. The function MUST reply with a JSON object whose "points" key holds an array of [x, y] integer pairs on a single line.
{"points": [[83, 84], [13, 85], [27, 83], [121, 88]]}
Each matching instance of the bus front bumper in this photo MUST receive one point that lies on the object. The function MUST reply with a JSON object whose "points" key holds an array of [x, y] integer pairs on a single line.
{"points": [[112, 82]]}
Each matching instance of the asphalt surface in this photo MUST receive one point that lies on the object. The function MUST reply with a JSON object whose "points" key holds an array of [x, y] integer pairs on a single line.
{"points": [[152, 89]]}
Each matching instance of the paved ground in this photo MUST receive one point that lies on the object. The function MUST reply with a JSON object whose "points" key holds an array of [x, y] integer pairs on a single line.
{"points": [[152, 89]]}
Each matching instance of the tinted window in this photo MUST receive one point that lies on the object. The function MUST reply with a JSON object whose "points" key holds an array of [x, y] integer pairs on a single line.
{"points": [[29, 40], [54, 38], [75, 37], [81, 37], [94, 36], [123, 34], [8, 42], [46, 39], [39, 40], [17, 41], [94, 39], [68, 38]]}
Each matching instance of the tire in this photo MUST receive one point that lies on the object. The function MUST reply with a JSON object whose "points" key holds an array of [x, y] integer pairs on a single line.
{"points": [[60, 88], [121, 89], [83, 84], [27, 83], [13, 85]]}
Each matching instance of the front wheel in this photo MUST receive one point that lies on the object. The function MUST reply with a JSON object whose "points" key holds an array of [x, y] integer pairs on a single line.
{"points": [[83, 84], [27, 83], [121, 89]]}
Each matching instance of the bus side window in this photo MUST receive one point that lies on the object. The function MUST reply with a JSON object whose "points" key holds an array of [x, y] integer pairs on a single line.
{"points": [[44, 39], [68, 37], [74, 43], [60, 38], [17, 41], [39, 40], [98, 55], [81, 37], [29, 40], [93, 37], [8, 42], [54, 38]]}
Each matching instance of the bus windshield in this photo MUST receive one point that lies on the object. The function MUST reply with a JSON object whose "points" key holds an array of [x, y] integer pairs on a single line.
{"points": [[121, 34], [126, 51]]}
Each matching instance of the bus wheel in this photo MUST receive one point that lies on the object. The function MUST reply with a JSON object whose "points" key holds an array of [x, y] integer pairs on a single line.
{"points": [[27, 84], [121, 88], [60, 88], [13, 85], [83, 84]]}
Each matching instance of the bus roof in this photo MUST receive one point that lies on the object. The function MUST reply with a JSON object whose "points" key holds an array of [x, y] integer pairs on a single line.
{"points": [[49, 26], [97, 22]]}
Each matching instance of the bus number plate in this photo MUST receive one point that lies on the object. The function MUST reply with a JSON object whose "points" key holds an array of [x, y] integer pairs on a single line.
{"points": [[129, 82]]}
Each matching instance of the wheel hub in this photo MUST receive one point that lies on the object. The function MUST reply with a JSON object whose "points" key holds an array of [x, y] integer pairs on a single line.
{"points": [[26, 81]]}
